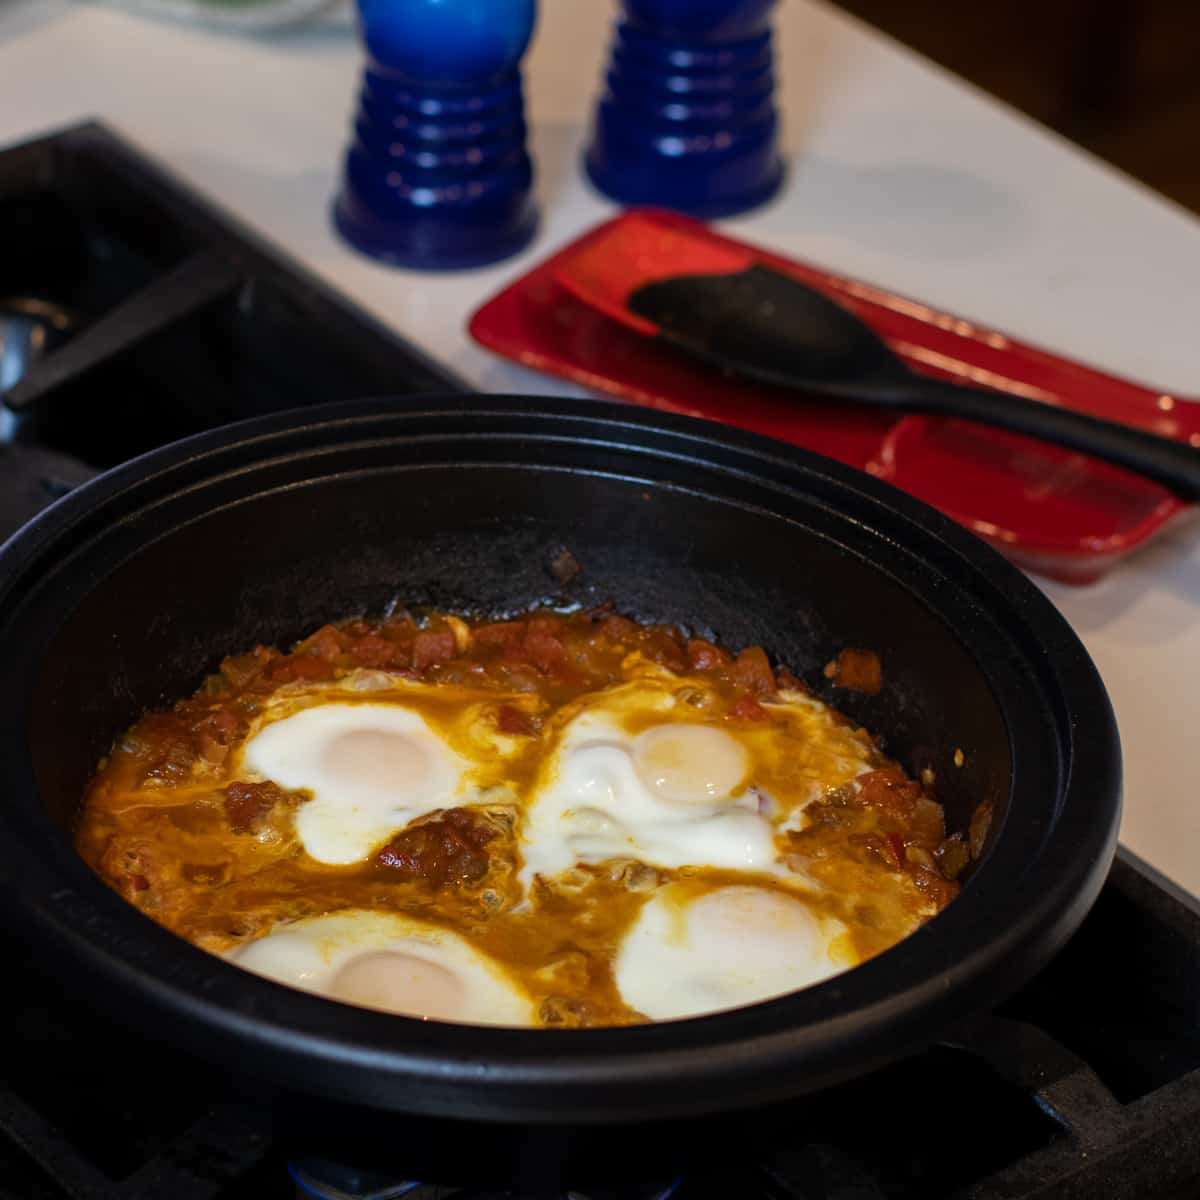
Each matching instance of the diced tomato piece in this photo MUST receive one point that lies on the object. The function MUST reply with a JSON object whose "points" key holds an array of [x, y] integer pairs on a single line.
{"points": [[618, 629], [432, 647], [940, 891], [748, 709], [928, 824], [158, 727], [563, 565], [399, 628], [501, 633], [132, 867], [164, 744], [374, 651], [703, 655], [247, 804], [515, 655], [859, 671], [220, 726], [790, 682], [752, 670], [884, 777], [664, 647], [952, 856], [980, 826], [890, 792], [292, 667], [326, 643], [513, 721], [241, 669], [448, 848], [545, 650]]}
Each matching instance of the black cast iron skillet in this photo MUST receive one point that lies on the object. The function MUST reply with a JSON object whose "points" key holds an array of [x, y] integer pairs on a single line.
{"points": [[127, 592]]}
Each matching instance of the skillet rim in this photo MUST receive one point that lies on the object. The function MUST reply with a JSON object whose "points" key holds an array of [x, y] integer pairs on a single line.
{"points": [[681, 1068]]}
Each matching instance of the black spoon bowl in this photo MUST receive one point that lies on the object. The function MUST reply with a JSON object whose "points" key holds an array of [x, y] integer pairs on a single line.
{"points": [[764, 325]]}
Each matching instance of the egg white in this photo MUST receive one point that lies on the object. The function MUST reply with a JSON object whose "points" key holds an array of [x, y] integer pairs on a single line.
{"points": [[603, 798], [685, 788], [687, 955], [373, 766], [389, 962]]}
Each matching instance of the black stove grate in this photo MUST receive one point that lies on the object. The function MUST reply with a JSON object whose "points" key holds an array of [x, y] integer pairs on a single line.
{"points": [[1025, 1103], [333, 1185], [133, 313]]}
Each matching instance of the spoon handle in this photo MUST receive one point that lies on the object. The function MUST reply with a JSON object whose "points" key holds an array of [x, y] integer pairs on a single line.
{"points": [[1173, 464]]}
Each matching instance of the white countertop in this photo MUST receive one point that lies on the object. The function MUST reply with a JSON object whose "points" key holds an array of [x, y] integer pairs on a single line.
{"points": [[902, 175]]}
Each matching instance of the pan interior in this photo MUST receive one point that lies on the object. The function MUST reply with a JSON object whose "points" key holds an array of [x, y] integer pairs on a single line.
{"points": [[271, 565]]}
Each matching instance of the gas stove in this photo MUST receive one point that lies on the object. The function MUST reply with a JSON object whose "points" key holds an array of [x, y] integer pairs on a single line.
{"points": [[1084, 1084], [134, 313]]}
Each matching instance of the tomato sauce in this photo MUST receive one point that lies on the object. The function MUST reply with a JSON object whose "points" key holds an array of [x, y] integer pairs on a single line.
{"points": [[216, 858]]}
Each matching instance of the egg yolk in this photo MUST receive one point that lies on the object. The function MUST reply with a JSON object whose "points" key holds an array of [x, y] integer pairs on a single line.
{"points": [[400, 983], [375, 760], [689, 762], [751, 925]]}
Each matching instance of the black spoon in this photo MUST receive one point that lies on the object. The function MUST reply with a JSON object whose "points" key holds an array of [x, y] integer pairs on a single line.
{"points": [[764, 325]]}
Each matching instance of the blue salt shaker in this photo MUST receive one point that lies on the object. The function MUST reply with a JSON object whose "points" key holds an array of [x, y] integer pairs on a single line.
{"points": [[437, 175], [687, 118]]}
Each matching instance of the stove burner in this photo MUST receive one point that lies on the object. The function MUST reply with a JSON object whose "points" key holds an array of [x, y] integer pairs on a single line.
{"points": [[31, 477], [29, 329], [329, 1181]]}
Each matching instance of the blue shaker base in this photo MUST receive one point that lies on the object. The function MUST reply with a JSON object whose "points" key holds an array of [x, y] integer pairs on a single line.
{"points": [[431, 243], [633, 192]]}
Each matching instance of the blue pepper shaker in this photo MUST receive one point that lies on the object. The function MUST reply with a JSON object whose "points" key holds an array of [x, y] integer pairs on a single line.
{"points": [[437, 175], [687, 119]]}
